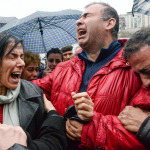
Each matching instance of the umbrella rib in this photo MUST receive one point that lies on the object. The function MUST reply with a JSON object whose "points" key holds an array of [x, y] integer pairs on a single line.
{"points": [[67, 32], [56, 19], [57, 22], [30, 30], [48, 20]]}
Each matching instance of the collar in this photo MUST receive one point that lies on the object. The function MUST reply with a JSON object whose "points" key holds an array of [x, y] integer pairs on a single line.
{"points": [[27, 108], [105, 52], [25, 87]]}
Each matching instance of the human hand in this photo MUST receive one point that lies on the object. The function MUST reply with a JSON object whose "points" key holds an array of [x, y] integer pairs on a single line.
{"points": [[10, 135], [46, 72], [47, 104], [132, 118], [74, 130], [84, 105]]}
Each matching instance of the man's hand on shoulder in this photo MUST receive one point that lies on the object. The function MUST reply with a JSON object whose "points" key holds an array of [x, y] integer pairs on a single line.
{"points": [[132, 118]]}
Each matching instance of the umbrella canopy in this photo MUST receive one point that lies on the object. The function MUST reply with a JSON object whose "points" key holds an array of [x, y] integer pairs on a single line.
{"points": [[141, 6], [42, 31]]}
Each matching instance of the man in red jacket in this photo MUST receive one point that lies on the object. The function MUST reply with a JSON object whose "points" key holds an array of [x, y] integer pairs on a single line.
{"points": [[98, 75], [137, 52]]}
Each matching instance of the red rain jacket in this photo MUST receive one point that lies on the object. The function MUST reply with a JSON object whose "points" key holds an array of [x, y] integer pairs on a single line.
{"points": [[111, 89]]}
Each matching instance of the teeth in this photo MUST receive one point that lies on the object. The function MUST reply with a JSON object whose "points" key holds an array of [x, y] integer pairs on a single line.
{"points": [[16, 73], [81, 31]]}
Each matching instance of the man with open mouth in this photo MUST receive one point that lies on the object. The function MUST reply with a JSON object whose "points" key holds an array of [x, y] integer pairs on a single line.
{"points": [[98, 81]]}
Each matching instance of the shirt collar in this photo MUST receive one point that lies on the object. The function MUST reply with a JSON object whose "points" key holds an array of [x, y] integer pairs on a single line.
{"points": [[105, 52]]}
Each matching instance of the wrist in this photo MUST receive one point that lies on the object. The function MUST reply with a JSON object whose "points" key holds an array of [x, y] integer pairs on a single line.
{"points": [[50, 108]]}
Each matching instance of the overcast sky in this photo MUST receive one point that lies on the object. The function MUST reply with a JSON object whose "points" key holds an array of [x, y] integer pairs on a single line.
{"points": [[23, 8]]}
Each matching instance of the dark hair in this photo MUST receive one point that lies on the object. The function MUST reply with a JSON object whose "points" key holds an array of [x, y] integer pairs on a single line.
{"points": [[139, 39], [67, 48], [55, 51], [31, 57], [5, 39], [108, 12]]}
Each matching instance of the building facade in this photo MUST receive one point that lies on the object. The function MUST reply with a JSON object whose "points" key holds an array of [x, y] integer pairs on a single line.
{"points": [[128, 21]]}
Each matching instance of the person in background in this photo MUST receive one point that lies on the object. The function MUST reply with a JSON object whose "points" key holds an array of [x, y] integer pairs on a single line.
{"points": [[67, 52], [75, 50], [31, 69], [54, 57], [137, 53], [24, 121]]}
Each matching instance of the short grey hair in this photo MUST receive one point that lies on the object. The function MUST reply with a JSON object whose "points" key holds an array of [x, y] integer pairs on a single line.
{"points": [[107, 13]]}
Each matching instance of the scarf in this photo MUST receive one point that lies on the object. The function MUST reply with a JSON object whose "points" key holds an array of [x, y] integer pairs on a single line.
{"points": [[10, 110]]}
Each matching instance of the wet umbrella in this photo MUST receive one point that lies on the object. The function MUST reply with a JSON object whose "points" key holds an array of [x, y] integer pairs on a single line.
{"points": [[42, 31], [141, 6]]}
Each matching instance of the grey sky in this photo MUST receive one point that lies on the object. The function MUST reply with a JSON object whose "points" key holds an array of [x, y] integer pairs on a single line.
{"points": [[23, 8]]}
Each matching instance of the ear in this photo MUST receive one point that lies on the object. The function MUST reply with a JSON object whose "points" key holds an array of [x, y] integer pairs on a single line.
{"points": [[110, 23]]}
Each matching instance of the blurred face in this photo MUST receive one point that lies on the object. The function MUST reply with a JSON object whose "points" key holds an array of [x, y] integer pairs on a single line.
{"points": [[12, 66], [53, 59], [31, 72], [91, 27], [140, 63], [67, 55]]}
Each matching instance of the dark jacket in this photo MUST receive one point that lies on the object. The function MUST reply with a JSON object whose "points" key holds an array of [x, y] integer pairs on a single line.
{"points": [[144, 132], [44, 131]]}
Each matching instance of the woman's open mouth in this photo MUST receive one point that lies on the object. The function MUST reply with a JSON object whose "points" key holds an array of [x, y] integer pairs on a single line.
{"points": [[16, 75]]}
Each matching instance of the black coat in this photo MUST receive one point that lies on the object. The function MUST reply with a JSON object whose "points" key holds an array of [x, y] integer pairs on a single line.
{"points": [[143, 133], [44, 131]]}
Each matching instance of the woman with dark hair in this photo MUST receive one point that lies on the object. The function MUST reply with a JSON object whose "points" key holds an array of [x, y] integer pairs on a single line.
{"points": [[31, 69], [54, 57], [23, 118]]}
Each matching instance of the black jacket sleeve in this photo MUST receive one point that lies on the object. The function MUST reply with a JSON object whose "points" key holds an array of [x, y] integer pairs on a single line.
{"points": [[18, 147], [143, 133], [52, 135]]}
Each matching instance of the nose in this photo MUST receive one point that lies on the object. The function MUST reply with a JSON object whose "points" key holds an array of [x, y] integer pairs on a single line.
{"points": [[68, 56], [54, 63], [145, 81], [20, 62], [35, 73], [79, 22]]}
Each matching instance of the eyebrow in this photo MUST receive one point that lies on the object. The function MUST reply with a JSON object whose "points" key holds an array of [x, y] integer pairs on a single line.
{"points": [[85, 14], [32, 67], [14, 54], [145, 70]]}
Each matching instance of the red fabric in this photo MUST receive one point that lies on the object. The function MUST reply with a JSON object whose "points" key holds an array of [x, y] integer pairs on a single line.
{"points": [[1, 114], [111, 89], [122, 41]]}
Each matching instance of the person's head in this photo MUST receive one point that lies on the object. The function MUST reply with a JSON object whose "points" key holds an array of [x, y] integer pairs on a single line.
{"points": [[98, 26], [11, 60], [137, 53], [67, 52], [76, 48], [31, 69], [54, 56]]}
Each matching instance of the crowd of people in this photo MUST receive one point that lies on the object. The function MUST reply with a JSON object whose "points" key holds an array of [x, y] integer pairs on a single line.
{"points": [[95, 97]]}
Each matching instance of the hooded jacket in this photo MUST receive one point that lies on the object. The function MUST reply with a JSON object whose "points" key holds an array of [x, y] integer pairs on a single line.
{"points": [[111, 89]]}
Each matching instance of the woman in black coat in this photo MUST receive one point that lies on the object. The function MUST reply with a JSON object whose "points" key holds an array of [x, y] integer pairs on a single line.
{"points": [[23, 117]]}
